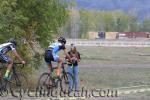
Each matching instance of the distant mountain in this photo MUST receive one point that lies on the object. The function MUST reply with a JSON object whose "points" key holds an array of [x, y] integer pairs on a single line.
{"points": [[141, 7]]}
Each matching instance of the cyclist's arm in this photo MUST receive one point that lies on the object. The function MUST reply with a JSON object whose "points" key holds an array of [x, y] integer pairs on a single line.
{"points": [[17, 55]]}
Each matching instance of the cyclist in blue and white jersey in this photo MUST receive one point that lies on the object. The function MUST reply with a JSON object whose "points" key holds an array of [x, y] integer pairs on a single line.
{"points": [[51, 54]]}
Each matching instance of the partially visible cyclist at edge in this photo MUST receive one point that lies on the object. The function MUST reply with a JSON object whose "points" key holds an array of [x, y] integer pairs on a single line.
{"points": [[51, 54], [73, 66], [4, 49]]}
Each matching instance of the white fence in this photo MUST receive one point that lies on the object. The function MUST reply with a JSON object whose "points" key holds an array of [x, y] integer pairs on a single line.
{"points": [[112, 43]]}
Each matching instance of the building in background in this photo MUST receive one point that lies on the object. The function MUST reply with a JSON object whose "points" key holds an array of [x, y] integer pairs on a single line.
{"points": [[93, 35], [111, 35], [132, 35], [117, 35]]}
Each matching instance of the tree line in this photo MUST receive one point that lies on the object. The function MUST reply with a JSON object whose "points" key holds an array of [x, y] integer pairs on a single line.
{"points": [[108, 21]]}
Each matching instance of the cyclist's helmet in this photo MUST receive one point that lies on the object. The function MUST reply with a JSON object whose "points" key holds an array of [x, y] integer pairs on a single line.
{"points": [[13, 41], [62, 40]]}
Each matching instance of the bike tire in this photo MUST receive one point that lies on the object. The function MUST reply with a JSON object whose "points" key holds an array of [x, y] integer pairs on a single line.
{"points": [[44, 84], [18, 83], [66, 80]]}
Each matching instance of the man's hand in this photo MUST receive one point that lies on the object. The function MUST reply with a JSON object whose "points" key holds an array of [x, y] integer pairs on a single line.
{"points": [[23, 62], [66, 53], [73, 58]]}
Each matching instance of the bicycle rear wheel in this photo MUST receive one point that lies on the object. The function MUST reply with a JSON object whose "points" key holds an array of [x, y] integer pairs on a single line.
{"points": [[18, 84], [67, 82]]}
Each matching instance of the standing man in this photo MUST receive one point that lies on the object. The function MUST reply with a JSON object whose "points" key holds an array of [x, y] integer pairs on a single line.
{"points": [[73, 67]]}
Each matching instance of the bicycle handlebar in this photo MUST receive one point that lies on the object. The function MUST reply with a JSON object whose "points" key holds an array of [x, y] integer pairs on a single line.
{"points": [[16, 63]]}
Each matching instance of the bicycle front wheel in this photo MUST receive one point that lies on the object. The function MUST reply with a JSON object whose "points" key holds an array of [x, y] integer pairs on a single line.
{"points": [[18, 84], [67, 82]]}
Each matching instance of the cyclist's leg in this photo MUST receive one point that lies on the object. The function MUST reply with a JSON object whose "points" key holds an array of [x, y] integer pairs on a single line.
{"points": [[1, 61], [58, 71], [9, 67], [59, 61], [48, 58], [0, 69], [6, 59]]}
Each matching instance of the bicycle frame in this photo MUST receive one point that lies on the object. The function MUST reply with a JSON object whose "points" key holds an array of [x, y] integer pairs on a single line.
{"points": [[52, 82], [63, 71], [63, 68], [14, 72], [17, 80]]}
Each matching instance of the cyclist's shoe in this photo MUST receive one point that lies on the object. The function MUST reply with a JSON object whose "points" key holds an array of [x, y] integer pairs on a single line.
{"points": [[6, 78]]}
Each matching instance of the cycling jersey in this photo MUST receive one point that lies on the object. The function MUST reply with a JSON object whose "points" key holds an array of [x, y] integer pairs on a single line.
{"points": [[51, 52], [6, 47], [56, 47]]}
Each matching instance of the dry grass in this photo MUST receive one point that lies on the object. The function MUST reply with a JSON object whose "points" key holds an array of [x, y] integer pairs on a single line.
{"points": [[107, 67]]}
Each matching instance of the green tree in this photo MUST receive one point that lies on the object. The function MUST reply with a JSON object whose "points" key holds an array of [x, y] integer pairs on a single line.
{"points": [[31, 22], [133, 23], [113, 21], [145, 25]]}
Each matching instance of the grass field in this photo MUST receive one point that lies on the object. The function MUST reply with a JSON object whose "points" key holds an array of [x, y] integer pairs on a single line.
{"points": [[111, 67]]}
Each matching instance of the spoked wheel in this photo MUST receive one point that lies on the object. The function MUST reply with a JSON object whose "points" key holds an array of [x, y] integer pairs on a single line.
{"points": [[45, 85], [67, 83], [18, 84]]}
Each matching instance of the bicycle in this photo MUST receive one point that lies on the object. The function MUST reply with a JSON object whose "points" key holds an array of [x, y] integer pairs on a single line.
{"points": [[17, 82], [50, 82]]}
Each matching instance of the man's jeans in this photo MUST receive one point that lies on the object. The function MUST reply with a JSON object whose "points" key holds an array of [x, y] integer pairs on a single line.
{"points": [[74, 71]]}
